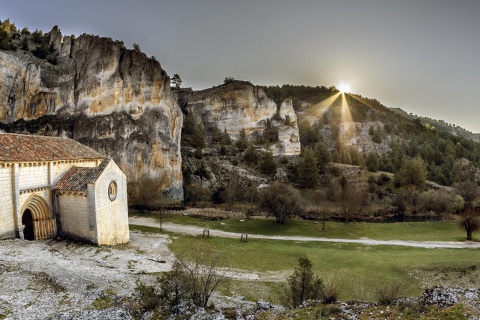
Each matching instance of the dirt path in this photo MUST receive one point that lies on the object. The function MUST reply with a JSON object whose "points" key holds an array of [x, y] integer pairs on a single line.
{"points": [[192, 230]]}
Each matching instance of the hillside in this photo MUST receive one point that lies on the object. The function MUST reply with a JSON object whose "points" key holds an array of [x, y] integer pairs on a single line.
{"points": [[353, 126], [440, 125]]}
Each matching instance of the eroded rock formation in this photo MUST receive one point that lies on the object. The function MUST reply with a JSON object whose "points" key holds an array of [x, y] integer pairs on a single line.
{"points": [[115, 100], [239, 105]]}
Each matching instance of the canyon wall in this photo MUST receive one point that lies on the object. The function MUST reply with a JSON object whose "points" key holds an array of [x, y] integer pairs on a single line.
{"points": [[239, 105], [115, 100]]}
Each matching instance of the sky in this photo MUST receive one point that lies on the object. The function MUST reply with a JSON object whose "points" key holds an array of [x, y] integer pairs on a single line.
{"points": [[419, 55]]}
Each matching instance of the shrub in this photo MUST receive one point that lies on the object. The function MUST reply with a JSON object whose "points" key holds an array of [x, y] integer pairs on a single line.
{"points": [[149, 299], [331, 291], [387, 294]]}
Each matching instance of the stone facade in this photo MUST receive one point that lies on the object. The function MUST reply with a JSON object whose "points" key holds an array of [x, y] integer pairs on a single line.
{"points": [[94, 215], [37, 201]]}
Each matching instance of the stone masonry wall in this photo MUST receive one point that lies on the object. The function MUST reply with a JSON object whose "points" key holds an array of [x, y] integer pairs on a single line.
{"points": [[112, 216], [33, 176], [74, 217], [7, 221]]}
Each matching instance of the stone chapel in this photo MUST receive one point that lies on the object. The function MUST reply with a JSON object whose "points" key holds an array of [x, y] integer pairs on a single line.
{"points": [[56, 186]]}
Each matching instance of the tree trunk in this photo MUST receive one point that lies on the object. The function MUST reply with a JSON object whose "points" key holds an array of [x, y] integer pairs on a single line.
{"points": [[469, 234]]}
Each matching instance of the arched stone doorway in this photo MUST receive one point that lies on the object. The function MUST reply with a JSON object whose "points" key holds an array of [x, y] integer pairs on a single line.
{"points": [[27, 221], [36, 221]]}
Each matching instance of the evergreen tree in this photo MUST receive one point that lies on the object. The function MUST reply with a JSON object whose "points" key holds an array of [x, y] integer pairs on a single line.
{"points": [[226, 140], [372, 162], [25, 43], [307, 170], [323, 156], [377, 138], [176, 81], [308, 135], [412, 173], [251, 156], [268, 165], [188, 124], [198, 137], [242, 142], [303, 284]]}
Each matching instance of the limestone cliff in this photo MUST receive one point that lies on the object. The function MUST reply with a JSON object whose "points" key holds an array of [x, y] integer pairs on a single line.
{"points": [[239, 105], [115, 100]]}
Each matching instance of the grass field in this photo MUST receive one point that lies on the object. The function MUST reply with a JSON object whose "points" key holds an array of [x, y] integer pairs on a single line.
{"points": [[359, 270], [419, 231]]}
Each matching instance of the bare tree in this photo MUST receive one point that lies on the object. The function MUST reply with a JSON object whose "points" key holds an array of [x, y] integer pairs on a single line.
{"points": [[149, 194], [319, 199], [440, 202], [197, 193], [352, 201], [194, 279]]}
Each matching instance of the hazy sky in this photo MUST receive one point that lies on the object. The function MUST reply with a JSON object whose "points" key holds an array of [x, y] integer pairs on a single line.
{"points": [[422, 56]]}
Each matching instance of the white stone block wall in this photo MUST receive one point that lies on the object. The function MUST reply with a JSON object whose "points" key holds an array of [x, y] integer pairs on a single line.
{"points": [[32, 176], [7, 219], [73, 214], [112, 216]]}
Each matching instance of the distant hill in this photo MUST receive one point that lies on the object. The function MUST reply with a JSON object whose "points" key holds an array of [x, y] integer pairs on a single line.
{"points": [[352, 127], [440, 125]]}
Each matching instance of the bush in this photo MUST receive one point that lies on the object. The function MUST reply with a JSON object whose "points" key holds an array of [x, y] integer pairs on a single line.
{"points": [[384, 178], [387, 294], [330, 294], [149, 299]]}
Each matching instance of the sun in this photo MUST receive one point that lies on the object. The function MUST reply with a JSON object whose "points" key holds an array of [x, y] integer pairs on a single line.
{"points": [[343, 88]]}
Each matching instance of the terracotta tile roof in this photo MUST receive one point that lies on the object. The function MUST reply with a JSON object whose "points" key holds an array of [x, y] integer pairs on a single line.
{"points": [[25, 148], [77, 178]]}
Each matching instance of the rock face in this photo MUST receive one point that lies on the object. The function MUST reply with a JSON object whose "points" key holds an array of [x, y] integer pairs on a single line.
{"points": [[239, 105], [115, 100]]}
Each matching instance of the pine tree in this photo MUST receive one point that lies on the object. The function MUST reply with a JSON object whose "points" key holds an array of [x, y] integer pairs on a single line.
{"points": [[323, 156], [307, 170], [372, 162], [251, 155], [303, 284], [198, 137], [268, 165], [226, 140], [176, 80], [242, 142]]}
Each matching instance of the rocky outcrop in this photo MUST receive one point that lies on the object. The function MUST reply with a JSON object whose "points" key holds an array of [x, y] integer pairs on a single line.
{"points": [[115, 100], [239, 105]]}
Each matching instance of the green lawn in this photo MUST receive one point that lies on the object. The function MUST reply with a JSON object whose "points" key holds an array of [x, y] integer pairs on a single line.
{"points": [[358, 269], [420, 231]]}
